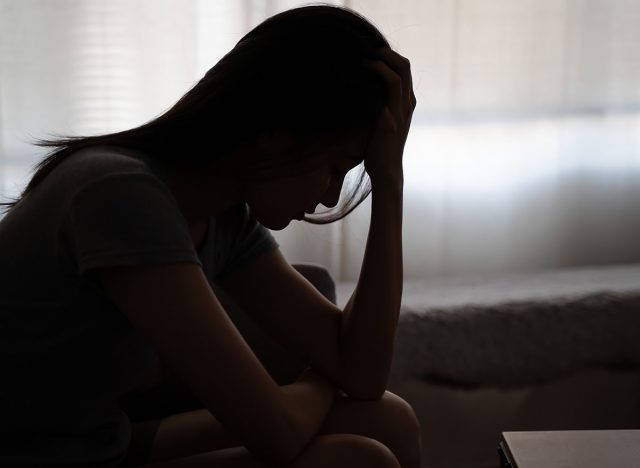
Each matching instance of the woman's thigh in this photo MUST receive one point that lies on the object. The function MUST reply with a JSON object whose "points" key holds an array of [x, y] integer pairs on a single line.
{"points": [[390, 421], [329, 450]]}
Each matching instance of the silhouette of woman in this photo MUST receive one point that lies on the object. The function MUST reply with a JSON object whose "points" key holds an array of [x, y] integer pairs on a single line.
{"points": [[108, 257]]}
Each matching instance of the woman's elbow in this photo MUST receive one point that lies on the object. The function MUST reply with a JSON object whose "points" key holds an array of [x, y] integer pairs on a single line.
{"points": [[363, 380], [359, 390]]}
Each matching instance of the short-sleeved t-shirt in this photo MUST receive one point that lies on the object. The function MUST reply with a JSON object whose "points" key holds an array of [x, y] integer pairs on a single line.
{"points": [[67, 355]]}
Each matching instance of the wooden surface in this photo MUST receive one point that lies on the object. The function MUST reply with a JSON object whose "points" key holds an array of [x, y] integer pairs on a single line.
{"points": [[573, 449]]}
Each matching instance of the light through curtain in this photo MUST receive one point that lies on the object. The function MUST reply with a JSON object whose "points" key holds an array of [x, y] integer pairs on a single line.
{"points": [[524, 151], [525, 148]]}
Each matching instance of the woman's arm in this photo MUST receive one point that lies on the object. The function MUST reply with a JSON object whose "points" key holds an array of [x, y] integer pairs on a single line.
{"points": [[174, 308], [353, 347], [371, 315], [311, 397]]}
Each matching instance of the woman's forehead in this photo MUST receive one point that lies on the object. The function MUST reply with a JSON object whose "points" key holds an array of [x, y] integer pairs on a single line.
{"points": [[350, 146], [344, 153], [302, 156]]}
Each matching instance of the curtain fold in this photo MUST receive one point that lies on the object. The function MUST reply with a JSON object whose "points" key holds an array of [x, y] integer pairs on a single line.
{"points": [[524, 151]]}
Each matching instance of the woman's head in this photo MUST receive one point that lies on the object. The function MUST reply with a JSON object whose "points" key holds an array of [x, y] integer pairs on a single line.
{"points": [[302, 70], [299, 73]]}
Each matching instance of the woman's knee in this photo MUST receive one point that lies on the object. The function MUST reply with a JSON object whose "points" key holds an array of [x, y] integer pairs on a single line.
{"points": [[367, 451], [346, 450], [400, 412], [402, 421]]}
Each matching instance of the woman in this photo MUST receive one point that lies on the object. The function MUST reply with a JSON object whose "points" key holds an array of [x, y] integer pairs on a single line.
{"points": [[108, 257]]}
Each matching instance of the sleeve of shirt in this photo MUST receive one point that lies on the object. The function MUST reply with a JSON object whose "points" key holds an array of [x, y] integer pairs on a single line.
{"points": [[246, 239], [127, 219]]}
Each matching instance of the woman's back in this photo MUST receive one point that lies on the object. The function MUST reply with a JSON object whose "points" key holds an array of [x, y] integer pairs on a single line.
{"points": [[66, 352]]}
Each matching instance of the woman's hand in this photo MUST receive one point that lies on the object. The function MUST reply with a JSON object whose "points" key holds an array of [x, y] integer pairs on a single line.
{"points": [[383, 158]]}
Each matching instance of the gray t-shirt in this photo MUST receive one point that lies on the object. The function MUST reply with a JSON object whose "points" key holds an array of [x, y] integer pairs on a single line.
{"points": [[67, 355]]}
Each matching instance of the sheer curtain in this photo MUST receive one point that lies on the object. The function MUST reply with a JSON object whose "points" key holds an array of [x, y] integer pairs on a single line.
{"points": [[524, 151], [525, 148]]}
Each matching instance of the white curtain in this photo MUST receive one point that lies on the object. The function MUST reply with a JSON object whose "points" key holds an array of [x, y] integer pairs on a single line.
{"points": [[524, 151]]}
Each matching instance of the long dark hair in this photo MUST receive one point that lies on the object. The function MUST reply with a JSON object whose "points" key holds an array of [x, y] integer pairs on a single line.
{"points": [[301, 70]]}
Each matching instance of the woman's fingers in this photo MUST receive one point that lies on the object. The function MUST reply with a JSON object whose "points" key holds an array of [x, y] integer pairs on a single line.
{"points": [[385, 150], [396, 71], [402, 67], [394, 82]]}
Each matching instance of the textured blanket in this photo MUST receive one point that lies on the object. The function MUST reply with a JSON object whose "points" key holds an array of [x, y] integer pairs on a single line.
{"points": [[516, 330]]}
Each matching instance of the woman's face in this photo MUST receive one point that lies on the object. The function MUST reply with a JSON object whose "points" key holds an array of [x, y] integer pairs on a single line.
{"points": [[299, 188]]}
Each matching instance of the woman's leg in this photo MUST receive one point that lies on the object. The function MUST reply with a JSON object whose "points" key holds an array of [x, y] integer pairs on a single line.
{"points": [[329, 450], [390, 420]]}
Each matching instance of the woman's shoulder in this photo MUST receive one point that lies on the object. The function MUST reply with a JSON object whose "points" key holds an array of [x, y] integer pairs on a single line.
{"points": [[95, 164], [102, 160]]}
